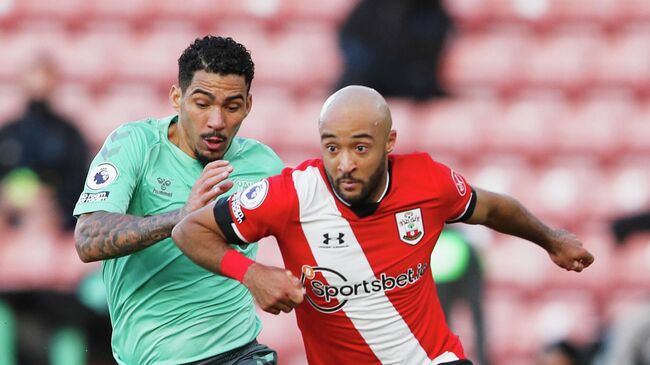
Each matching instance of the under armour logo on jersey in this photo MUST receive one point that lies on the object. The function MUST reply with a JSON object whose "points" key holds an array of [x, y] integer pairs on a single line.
{"points": [[339, 239]]}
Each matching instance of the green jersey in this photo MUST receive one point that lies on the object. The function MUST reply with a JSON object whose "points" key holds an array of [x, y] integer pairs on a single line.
{"points": [[164, 308]]}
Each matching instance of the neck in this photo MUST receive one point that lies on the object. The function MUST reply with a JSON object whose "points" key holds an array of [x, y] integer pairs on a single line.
{"points": [[380, 193], [178, 137]]}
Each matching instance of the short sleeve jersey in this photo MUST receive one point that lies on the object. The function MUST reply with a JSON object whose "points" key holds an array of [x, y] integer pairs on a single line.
{"points": [[164, 308], [370, 295]]}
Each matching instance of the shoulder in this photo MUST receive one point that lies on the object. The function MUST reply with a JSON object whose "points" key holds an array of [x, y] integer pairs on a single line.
{"points": [[314, 165], [263, 154], [251, 145], [297, 183], [146, 128], [132, 141], [418, 160], [410, 161], [289, 174], [419, 171], [307, 173], [141, 132]]}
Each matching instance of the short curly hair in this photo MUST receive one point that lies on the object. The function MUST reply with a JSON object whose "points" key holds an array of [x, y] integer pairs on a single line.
{"points": [[218, 55]]}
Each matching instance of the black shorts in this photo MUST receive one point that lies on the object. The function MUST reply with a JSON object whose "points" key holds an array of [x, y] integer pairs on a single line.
{"points": [[458, 362], [252, 353]]}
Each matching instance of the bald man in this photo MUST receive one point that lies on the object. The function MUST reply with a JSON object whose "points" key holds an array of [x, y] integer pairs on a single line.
{"points": [[356, 230]]}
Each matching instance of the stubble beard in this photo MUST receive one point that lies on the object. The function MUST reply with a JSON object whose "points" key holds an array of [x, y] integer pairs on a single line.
{"points": [[367, 189]]}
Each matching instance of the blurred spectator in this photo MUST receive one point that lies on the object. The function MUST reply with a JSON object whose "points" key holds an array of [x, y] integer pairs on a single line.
{"points": [[622, 227], [41, 149], [457, 270], [43, 161], [395, 47], [562, 353], [628, 342]]}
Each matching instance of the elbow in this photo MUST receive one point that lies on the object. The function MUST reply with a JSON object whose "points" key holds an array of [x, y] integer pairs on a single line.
{"points": [[81, 252], [85, 259], [80, 243], [177, 236], [180, 235]]}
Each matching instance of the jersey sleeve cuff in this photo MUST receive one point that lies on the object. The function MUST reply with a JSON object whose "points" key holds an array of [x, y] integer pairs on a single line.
{"points": [[224, 220], [97, 207], [469, 210]]}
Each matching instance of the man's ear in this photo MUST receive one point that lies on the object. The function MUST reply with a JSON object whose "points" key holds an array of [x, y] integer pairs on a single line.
{"points": [[390, 142], [249, 103], [175, 96]]}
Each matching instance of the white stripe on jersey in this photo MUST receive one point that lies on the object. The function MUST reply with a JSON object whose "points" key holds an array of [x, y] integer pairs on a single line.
{"points": [[445, 357], [373, 315]]}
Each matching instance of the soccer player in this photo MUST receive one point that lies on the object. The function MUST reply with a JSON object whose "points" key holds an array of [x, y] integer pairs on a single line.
{"points": [[358, 228], [149, 175]]}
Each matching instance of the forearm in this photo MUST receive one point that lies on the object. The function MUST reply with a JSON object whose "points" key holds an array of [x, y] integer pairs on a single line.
{"points": [[509, 216], [104, 235], [201, 239], [202, 245]]}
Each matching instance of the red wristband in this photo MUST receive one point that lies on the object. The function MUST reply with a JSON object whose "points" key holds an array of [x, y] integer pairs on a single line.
{"points": [[234, 265]]}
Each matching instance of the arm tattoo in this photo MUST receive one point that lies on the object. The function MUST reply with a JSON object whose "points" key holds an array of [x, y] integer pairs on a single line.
{"points": [[103, 235]]}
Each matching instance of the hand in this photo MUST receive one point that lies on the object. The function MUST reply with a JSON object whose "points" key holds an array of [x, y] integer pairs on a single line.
{"points": [[273, 288], [204, 189], [567, 252]]}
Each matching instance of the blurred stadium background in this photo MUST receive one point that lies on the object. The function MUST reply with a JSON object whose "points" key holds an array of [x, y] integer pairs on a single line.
{"points": [[551, 104]]}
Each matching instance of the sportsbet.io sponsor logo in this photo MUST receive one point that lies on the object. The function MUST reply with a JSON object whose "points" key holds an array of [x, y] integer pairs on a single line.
{"points": [[330, 295]]}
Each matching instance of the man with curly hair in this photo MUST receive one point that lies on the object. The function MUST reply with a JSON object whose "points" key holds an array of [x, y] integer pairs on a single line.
{"points": [[148, 176]]}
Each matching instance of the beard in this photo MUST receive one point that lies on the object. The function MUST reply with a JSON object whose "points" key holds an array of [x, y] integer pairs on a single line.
{"points": [[368, 188], [204, 158]]}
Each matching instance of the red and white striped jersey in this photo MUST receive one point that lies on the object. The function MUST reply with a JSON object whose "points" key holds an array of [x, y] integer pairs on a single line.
{"points": [[370, 296]]}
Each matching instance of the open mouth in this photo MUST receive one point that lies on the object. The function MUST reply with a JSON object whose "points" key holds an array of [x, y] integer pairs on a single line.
{"points": [[214, 143]]}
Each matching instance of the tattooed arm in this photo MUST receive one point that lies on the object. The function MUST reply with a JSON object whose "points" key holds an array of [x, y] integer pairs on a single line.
{"points": [[102, 235]]}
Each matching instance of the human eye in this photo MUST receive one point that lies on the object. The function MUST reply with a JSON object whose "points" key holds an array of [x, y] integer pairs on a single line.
{"points": [[361, 148], [233, 108], [201, 104], [331, 148]]}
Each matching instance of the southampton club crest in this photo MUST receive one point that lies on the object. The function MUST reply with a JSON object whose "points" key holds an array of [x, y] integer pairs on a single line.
{"points": [[410, 226]]}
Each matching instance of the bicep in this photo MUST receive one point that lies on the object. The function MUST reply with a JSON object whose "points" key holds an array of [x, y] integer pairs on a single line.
{"points": [[204, 220], [200, 238], [485, 203]]}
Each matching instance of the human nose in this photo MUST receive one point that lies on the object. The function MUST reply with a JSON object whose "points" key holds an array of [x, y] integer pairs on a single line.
{"points": [[346, 163], [215, 120]]}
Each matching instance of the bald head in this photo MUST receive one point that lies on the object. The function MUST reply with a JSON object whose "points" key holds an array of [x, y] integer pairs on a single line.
{"points": [[356, 138], [357, 104]]}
